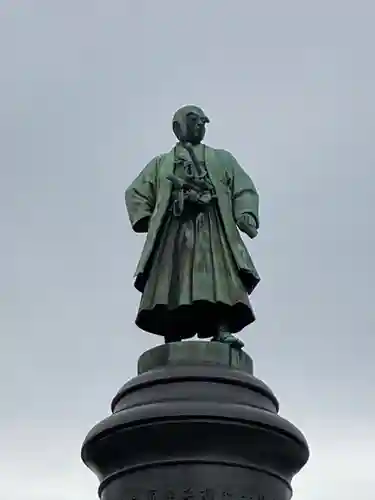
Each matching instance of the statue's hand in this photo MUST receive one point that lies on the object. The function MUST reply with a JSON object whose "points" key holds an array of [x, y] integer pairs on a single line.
{"points": [[196, 197], [192, 196], [141, 226], [247, 224]]}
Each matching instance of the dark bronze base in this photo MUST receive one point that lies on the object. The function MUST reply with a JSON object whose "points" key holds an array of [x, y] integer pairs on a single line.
{"points": [[195, 424]]}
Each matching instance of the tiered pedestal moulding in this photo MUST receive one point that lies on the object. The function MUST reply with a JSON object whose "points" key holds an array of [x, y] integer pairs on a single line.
{"points": [[195, 424]]}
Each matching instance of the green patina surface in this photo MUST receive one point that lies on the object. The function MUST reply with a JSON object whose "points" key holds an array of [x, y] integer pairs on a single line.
{"points": [[195, 273]]}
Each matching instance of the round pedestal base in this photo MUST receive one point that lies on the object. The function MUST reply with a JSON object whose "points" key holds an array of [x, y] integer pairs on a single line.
{"points": [[188, 431]]}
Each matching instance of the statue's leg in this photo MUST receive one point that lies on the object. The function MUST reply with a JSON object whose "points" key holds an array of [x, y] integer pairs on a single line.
{"points": [[222, 335]]}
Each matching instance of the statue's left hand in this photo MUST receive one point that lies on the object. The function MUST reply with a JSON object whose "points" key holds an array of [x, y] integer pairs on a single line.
{"points": [[247, 224], [141, 226]]}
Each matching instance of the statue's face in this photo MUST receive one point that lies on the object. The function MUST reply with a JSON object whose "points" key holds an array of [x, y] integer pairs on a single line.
{"points": [[195, 127], [189, 124]]}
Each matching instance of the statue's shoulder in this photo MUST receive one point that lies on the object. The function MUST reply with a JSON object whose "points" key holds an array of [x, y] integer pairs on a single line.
{"points": [[154, 164], [158, 158], [163, 156], [224, 156]]}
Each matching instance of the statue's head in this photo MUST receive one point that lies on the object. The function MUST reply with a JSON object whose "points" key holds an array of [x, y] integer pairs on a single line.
{"points": [[189, 124]]}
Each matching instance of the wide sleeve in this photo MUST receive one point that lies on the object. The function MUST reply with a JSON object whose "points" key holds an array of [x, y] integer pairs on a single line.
{"points": [[245, 198], [140, 197]]}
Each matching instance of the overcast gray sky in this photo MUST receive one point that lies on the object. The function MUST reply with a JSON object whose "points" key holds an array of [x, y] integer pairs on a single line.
{"points": [[87, 91]]}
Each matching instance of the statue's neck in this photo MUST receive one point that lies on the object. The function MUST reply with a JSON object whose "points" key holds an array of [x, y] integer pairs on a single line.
{"points": [[197, 150], [180, 145]]}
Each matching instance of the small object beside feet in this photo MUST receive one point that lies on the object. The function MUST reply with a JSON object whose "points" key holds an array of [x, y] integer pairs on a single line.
{"points": [[228, 338]]}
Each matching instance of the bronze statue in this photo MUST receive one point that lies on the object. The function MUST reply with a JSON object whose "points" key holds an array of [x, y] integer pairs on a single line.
{"points": [[195, 273]]}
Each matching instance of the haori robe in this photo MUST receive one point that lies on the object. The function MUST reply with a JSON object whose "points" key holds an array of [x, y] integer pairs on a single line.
{"points": [[195, 272]]}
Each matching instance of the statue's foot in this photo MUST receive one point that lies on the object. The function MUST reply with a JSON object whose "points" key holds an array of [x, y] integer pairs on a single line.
{"points": [[169, 340], [228, 338]]}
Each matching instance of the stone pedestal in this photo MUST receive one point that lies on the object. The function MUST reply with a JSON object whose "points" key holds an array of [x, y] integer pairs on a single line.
{"points": [[195, 424]]}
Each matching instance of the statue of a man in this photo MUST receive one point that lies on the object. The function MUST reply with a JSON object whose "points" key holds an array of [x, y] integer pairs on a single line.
{"points": [[195, 273]]}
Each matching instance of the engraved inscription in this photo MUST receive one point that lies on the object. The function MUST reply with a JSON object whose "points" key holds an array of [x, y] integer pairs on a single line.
{"points": [[170, 495], [194, 494], [151, 495], [226, 495], [188, 494], [207, 494]]}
